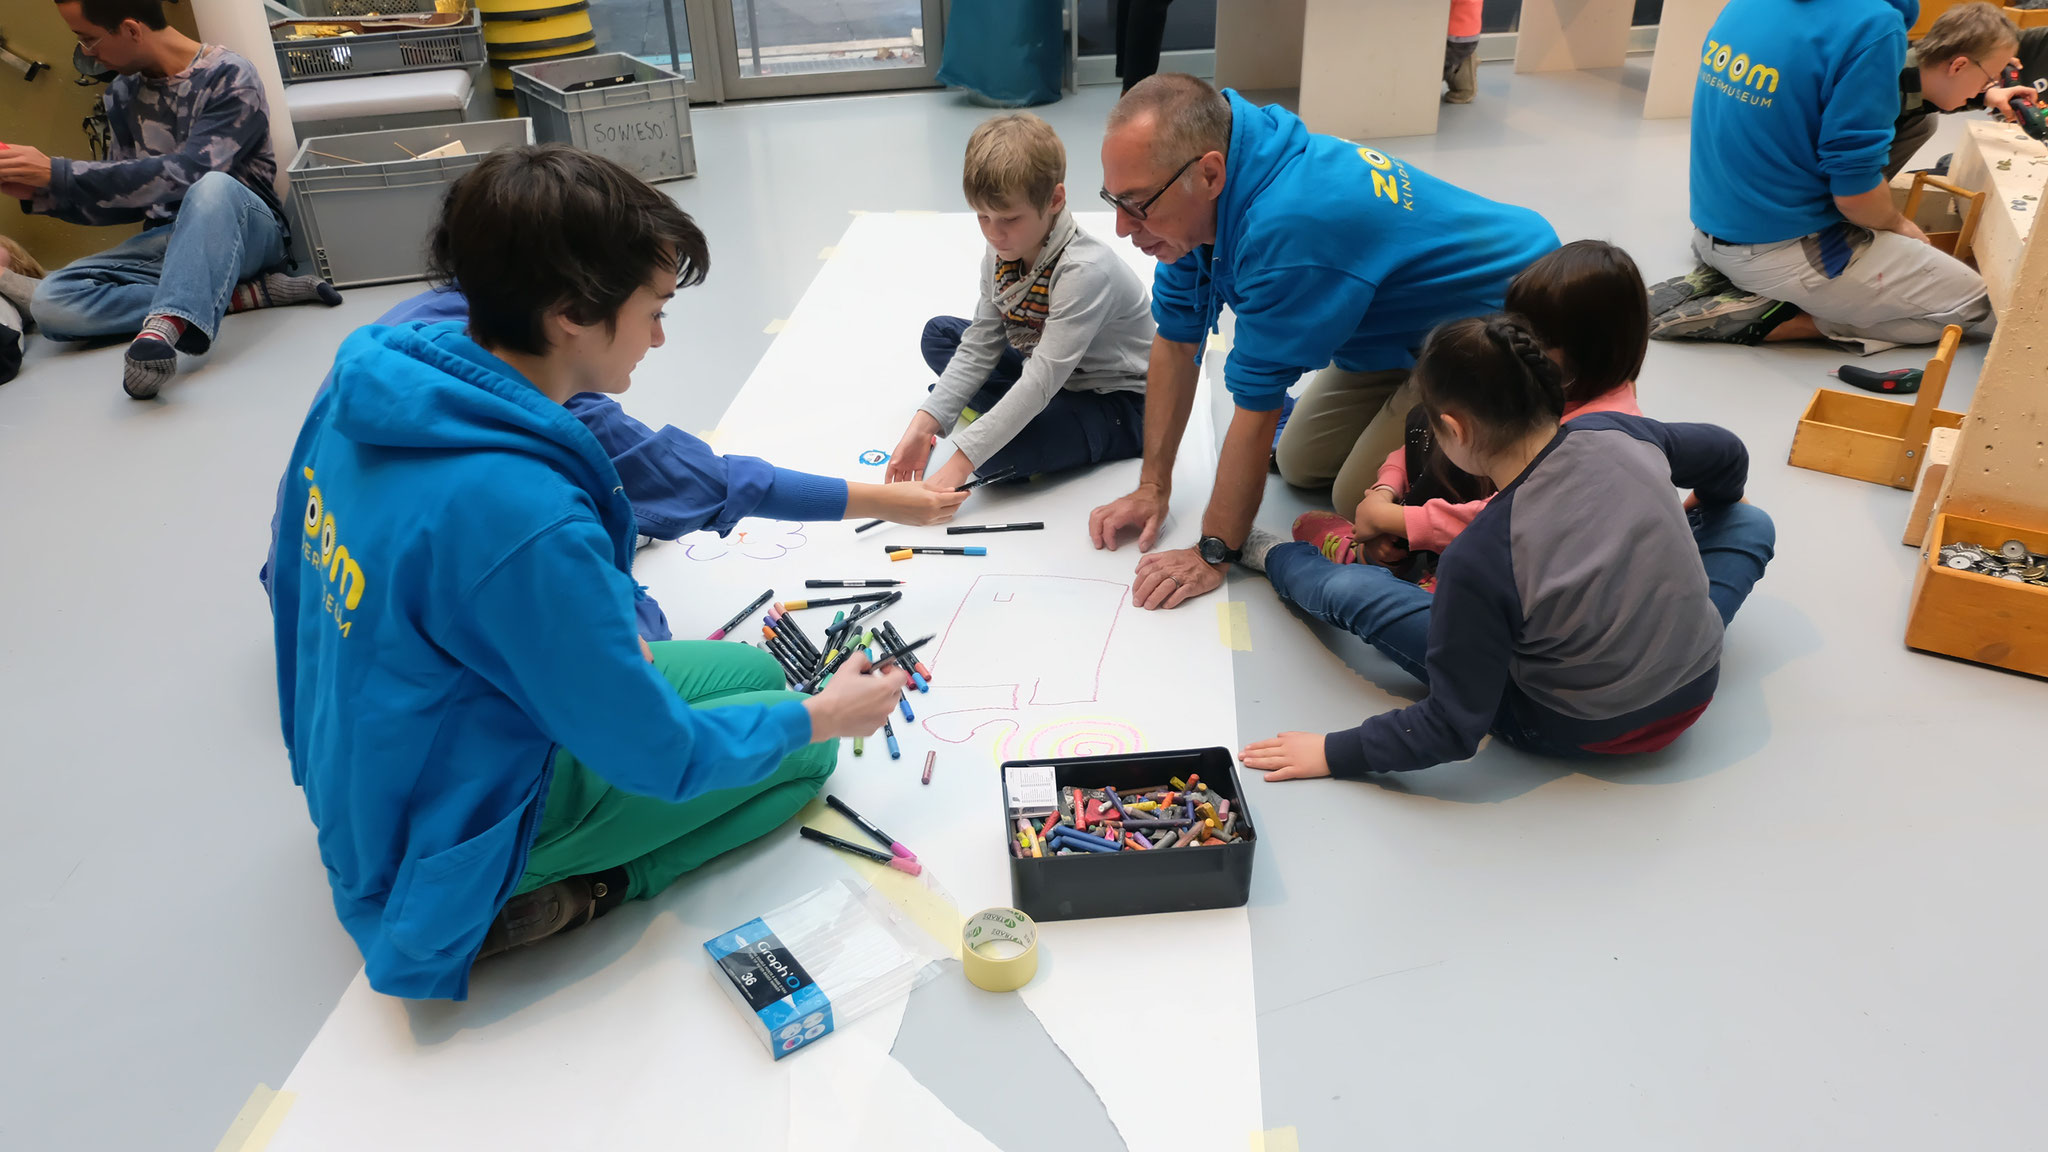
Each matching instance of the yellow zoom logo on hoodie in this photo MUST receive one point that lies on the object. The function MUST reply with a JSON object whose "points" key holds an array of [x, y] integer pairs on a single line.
{"points": [[1389, 178], [344, 576], [1723, 60]]}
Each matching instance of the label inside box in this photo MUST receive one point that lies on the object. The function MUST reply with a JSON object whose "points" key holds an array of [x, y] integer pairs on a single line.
{"points": [[1032, 789]]}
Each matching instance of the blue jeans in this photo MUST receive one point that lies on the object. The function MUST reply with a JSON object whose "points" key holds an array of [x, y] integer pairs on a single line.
{"points": [[224, 234], [1736, 542], [1076, 429]]}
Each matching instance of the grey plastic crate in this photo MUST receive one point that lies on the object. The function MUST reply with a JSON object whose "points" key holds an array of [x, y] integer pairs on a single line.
{"points": [[376, 53], [643, 125], [365, 217], [350, 9]]}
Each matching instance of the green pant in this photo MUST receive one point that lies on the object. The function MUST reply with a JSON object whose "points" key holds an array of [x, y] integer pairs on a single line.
{"points": [[590, 826]]}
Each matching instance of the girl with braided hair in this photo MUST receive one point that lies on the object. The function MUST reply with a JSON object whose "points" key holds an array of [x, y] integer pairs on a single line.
{"points": [[1562, 631]]}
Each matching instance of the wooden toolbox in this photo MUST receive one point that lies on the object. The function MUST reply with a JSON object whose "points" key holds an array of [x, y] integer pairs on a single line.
{"points": [[1973, 616], [1871, 438]]}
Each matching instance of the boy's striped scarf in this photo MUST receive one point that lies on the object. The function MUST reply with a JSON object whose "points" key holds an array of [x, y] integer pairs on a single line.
{"points": [[1023, 295]]}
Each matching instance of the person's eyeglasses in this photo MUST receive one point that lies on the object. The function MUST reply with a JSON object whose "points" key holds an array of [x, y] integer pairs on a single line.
{"points": [[89, 45], [1990, 80], [1137, 211]]}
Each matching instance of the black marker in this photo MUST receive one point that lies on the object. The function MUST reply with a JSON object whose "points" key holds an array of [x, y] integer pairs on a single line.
{"points": [[853, 583], [896, 862], [883, 837], [964, 529], [896, 550], [743, 614], [978, 481], [829, 601], [870, 524]]}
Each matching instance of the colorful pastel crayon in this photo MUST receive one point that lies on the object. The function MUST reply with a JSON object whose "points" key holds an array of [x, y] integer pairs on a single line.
{"points": [[929, 757], [1110, 795], [1083, 841], [857, 749]]}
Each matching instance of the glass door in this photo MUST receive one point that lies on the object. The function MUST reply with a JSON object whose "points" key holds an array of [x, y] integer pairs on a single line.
{"points": [[659, 32], [814, 47]]}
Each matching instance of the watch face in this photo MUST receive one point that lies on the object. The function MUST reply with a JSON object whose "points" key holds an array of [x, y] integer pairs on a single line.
{"points": [[1213, 551]]}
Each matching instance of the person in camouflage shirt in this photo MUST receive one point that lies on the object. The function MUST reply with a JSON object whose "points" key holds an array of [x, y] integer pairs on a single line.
{"points": [[190, 158]]}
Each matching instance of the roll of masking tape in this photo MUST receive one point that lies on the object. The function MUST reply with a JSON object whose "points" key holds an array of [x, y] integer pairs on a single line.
{"points": [[999, 948]]}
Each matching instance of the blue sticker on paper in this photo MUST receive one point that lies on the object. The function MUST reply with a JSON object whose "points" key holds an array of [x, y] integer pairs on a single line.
{"points": [[874, 457]]}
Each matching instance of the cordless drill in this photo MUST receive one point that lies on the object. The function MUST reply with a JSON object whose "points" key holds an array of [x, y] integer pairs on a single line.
{"points": [[2028, 108]]}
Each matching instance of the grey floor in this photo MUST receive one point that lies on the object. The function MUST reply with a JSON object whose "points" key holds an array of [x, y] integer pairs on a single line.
{"points": [[1815, 922]]}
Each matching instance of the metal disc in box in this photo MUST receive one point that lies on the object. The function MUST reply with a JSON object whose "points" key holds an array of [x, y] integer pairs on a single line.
{"points": [[527, 9], [552, 32]]}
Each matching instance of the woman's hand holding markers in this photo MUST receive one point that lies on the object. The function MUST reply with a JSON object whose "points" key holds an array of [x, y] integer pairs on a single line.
{"points": [[854, 704], [1288, 756]]}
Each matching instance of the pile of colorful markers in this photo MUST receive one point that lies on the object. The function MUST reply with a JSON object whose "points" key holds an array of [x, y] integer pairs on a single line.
{"points": [[1178, 814], [807, 664]]}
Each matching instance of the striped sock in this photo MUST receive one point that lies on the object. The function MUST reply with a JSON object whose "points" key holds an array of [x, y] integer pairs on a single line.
{"points": [[277, 290], [153, 357]]}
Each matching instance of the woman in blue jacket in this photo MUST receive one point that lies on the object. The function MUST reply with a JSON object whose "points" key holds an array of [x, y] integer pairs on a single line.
{"points": [[489, 751]]}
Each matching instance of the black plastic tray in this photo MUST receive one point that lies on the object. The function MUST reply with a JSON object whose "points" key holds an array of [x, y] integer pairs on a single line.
{"points": [[1087, 885]]}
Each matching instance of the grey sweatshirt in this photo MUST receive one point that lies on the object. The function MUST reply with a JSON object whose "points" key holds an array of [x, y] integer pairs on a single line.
{"points": [[1097, 338]]}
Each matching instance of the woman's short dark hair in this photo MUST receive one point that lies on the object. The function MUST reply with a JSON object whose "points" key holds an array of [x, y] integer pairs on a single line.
{"points": [[533, 229], [111, 14], [1491, 373], [1587, 301]]}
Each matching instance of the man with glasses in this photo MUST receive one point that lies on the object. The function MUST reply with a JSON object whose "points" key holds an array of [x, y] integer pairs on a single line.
{"points": [[1794, 222], [191, 160], [1334, 259]]}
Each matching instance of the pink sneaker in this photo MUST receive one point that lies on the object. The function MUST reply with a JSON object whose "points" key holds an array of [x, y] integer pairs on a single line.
{"points": [[1330, 533]]}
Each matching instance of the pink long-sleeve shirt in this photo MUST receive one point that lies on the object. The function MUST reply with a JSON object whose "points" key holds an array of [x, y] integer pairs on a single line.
{"points": [[1432, 525]]}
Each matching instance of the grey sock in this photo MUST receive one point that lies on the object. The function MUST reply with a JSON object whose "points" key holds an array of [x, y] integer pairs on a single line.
{"points": [[149, 364], [285, 289], [18, 288], [1256, 545]]}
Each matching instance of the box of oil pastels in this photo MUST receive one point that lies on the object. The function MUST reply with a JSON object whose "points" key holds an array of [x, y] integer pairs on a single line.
{"points": [[1127, 835]]}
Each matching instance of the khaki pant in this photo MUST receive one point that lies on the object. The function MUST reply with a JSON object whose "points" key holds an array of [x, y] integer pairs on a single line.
{"points": [[1342, 429], [1892, 291]]}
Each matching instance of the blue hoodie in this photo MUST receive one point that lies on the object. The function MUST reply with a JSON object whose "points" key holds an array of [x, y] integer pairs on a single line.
{"points": [[460, 604], [1794, 106], [677, 484], [1329, 252]]}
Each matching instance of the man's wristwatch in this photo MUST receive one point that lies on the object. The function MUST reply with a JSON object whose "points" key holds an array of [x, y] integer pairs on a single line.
{"points": [[1213, 550]]}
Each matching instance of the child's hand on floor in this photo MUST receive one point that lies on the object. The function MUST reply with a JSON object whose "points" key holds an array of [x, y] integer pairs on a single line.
{"points": [[1288, 756], [914, 451]]}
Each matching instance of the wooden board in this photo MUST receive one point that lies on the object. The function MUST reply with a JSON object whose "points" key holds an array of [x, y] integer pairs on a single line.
{"points": [[1373, 68], [2003, 232], [1258, 43], [1675, 69], [1941, 452], [1561, 35], [2001, 466]]}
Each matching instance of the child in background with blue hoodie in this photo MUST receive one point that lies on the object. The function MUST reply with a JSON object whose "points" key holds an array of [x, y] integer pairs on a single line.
{"points": [[490, 753]]}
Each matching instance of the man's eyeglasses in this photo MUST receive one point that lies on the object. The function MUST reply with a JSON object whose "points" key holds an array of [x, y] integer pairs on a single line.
{"points": [[89, 45], [1990, 80], [1137, 211]]}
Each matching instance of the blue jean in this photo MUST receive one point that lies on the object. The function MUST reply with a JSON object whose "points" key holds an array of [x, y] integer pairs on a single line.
{"points": [[1736, 542], [1076, 429], [223, 234]]}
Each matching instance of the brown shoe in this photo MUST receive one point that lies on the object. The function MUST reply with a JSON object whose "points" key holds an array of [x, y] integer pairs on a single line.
{"points": [[534, 916]]}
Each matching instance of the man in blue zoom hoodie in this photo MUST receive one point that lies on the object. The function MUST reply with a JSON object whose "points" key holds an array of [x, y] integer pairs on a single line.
{"points": [[1792, 124], [1329, 254], [488, 751]]}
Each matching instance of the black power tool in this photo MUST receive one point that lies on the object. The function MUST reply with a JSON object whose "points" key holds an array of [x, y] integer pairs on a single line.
{"points": [[2032, 116]]}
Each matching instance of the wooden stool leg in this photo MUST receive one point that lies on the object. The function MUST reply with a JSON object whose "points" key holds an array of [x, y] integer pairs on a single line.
{"points": [[1913, 447]]}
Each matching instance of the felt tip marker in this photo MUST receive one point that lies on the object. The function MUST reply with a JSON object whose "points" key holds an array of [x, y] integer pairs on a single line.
{"points": [[899, 551], [889, 734], [897, 642], [911, 867], [964, 529], [903, 702], [829, 601], [851, 583], [868, 827], [870, 524], [905, 650], [749, 610], [978, 481]]}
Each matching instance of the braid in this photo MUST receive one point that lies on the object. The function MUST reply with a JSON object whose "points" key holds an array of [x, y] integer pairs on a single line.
{"points": [[1514, 335], [1493, 373]]}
